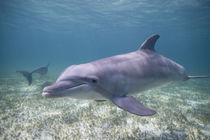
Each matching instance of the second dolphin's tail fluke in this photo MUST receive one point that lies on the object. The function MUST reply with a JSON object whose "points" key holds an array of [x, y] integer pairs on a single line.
{"points": [[198, 77], [48, 64], [27, 75]]}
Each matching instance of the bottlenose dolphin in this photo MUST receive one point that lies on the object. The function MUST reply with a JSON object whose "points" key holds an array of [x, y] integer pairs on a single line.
{"points": [[28, 75], [117, 77]]}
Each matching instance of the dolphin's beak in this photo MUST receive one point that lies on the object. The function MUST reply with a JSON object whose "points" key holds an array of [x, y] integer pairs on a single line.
{"points": [[45, 94], [46, 91], [51, 90], [59, 88]]}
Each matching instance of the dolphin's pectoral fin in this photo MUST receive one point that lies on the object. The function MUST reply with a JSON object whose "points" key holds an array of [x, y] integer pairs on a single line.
{"points": [[133, 106]]}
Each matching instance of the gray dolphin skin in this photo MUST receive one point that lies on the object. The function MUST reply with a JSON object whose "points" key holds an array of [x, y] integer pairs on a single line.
{"points": [[118, 77]]}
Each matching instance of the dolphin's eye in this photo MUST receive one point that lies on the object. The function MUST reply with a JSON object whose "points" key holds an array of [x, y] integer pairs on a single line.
{"points": [[94, 81]]}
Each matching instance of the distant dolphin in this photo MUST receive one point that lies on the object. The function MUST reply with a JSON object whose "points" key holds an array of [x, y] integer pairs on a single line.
{"points": [[42, 70], [28, 75], [116, 77]]}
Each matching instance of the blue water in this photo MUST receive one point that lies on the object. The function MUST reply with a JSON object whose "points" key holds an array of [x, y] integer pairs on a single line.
{"points": [[36, 32]]}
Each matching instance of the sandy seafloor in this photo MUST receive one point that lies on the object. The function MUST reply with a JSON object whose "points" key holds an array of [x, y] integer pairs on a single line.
{"points": [[183, 112]]}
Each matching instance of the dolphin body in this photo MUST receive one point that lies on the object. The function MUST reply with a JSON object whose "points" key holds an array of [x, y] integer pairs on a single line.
{"points": [[116, 78]]}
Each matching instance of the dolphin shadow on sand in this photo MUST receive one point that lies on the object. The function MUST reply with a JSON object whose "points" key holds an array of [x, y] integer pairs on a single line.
{"points": [[28, 75]]}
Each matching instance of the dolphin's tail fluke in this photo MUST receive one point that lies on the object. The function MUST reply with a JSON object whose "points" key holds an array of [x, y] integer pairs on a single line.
{"points": [[27, 75], [197, 77], [48, 64]]}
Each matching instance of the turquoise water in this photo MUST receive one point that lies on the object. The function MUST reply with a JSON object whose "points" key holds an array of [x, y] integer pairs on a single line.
{"points": [[34, 33]]}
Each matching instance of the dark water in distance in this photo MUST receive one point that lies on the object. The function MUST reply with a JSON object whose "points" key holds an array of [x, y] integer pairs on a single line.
{"points": [[34, 33]]}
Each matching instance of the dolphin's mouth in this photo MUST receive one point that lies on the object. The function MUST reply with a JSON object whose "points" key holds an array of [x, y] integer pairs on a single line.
{"points": [[60, 90]]}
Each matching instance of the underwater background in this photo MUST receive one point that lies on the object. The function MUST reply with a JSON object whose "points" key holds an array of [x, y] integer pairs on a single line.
{"points": [[34, 33]]}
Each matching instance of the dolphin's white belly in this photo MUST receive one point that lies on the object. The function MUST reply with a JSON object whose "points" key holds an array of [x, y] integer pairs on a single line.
{"points": [[92, 95]]}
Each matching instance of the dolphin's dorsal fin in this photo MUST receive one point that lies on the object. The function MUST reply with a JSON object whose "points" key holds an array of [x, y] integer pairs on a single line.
{"points": [[149, 43]]}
